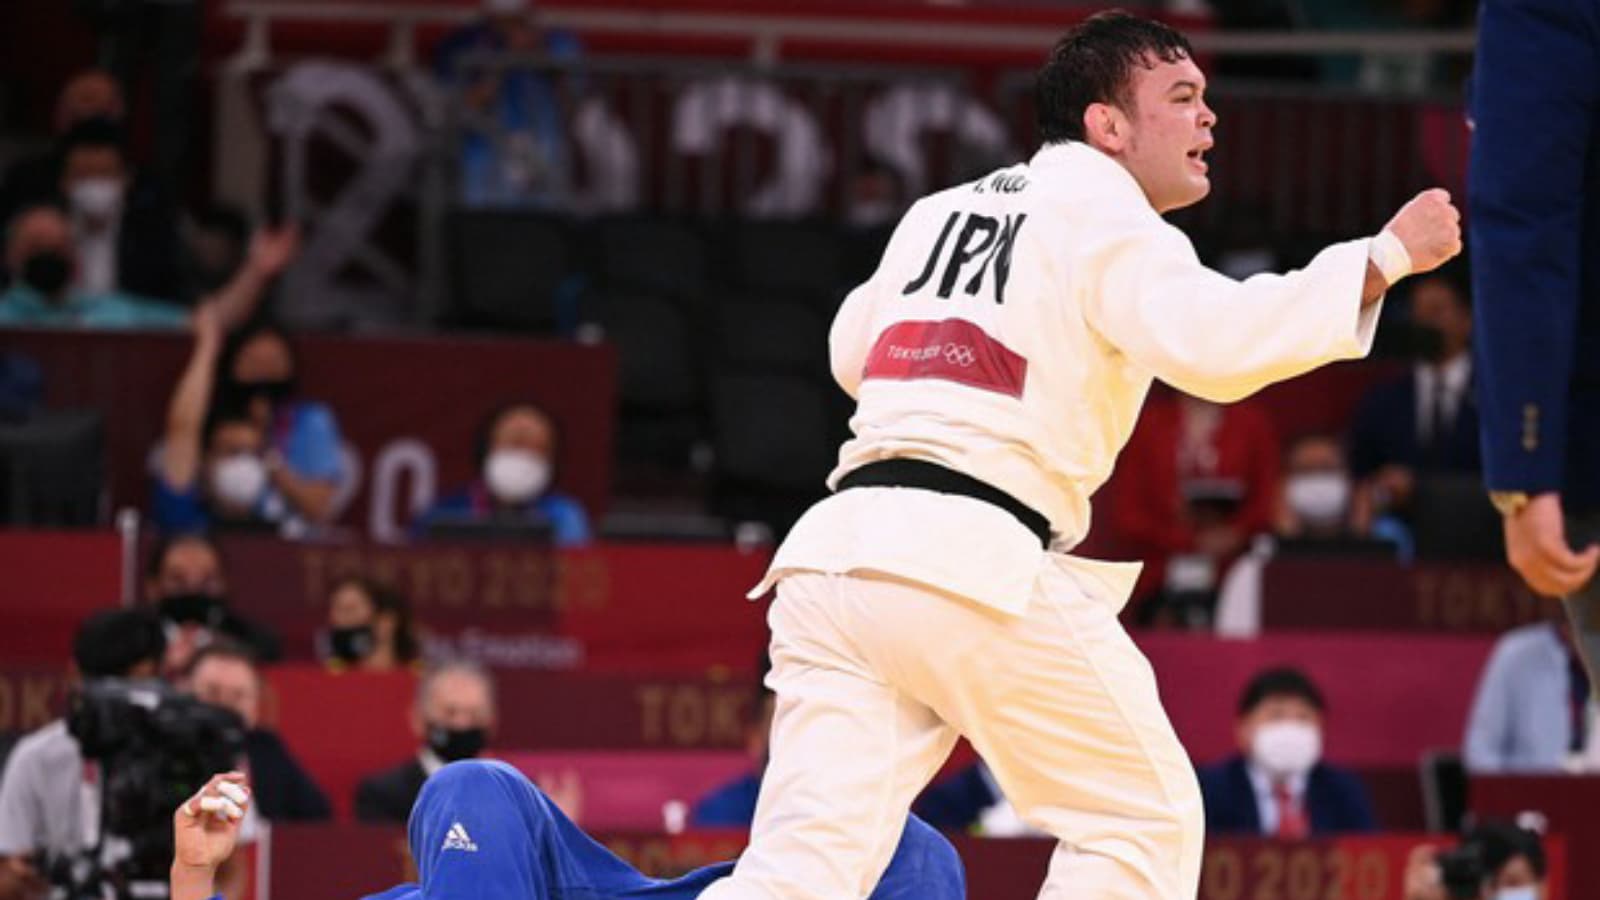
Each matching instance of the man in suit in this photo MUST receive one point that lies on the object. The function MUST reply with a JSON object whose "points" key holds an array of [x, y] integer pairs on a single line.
{"points": [[123, 223], [1425, 423], [453, 717], [1534, 201], [1279, 786], [224, 674]]}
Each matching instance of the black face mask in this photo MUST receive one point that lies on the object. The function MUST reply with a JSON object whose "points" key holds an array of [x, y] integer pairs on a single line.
{"points": [[46, 272], [352, 645], [193, 609], [1427, 343], [452, 744]]}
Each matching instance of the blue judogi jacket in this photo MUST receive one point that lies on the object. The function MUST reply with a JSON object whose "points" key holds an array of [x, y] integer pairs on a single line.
{"points": [[482, 831]]}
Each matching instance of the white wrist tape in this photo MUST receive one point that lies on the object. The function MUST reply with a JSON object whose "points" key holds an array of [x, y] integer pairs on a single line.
{"points": [[1390, 256], [233, 792], [221, 807]]}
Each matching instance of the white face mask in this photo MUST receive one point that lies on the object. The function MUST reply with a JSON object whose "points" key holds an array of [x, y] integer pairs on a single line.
{"points": [[98, 198], [516, 476], [238, 481], [1318, 497], [1526, 892], [1287, 749]]}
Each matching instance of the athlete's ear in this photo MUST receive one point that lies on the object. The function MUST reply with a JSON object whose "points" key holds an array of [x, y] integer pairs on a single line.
{"points": [[1105, 127]]}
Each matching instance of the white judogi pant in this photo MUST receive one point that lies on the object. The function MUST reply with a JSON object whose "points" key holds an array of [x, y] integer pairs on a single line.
{"points": [[876, 677]]}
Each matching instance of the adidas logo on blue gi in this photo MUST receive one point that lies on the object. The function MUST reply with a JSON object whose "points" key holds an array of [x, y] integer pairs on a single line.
{"points": [[458, 839]]}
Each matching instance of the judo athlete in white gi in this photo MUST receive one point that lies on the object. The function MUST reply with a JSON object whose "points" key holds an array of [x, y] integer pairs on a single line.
{"points": [[999, 356]]}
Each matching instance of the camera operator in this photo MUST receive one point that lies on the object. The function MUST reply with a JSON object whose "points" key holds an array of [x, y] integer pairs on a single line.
{"points": [[44, 797], [1495, 861], [54, 801]]}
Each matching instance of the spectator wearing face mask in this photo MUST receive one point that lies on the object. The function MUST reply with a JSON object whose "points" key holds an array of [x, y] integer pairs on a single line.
{"points": [[44, 293], [369, 628], [453, 718], [303, 457], [1313, 516], [42, 255], [1510, 857], [516, 452], [1426, 423], [1279, 786], [125, 231], [186, 584], [1315, 501], [225, 674], [33, 180], [258, 458]]}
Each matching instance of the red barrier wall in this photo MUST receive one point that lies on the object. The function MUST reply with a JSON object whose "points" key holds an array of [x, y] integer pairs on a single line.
{"points": [[1385, 596], [434, 391], [52, 581], [1389, 697], [614, 608]]}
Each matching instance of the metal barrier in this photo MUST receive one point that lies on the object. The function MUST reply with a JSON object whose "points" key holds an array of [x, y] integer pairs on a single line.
{"points": [[767, 31], [677, 136]]}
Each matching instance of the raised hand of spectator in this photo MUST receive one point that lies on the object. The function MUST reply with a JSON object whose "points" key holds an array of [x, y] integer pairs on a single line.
{"points": [[273, 249], [186, 411], [205, 323]]}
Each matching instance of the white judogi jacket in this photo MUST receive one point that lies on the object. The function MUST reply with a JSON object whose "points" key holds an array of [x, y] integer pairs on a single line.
{"points": [[1011, 332]]}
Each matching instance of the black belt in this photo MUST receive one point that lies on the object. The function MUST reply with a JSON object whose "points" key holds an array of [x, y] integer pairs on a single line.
{"points": [[916, 473]]}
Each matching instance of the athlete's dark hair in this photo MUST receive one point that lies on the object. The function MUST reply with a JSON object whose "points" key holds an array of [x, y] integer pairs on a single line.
{"points": [[1094, 63]]}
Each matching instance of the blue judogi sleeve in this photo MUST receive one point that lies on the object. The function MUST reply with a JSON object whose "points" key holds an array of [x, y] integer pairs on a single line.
{"points": [[1535, 95], [481, 830]]}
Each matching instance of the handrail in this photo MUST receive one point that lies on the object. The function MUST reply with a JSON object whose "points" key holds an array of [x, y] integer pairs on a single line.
{"points": [[768, 32]]}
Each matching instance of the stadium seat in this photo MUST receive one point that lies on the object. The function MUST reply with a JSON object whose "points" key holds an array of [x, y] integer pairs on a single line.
{"points": [[770, 434], [1453, 520], [655, 341], [653, 255], [511, 270], [763, 336], [1444, 790], [863, 249], [789, 261], [660, 382], [52, 470]]}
